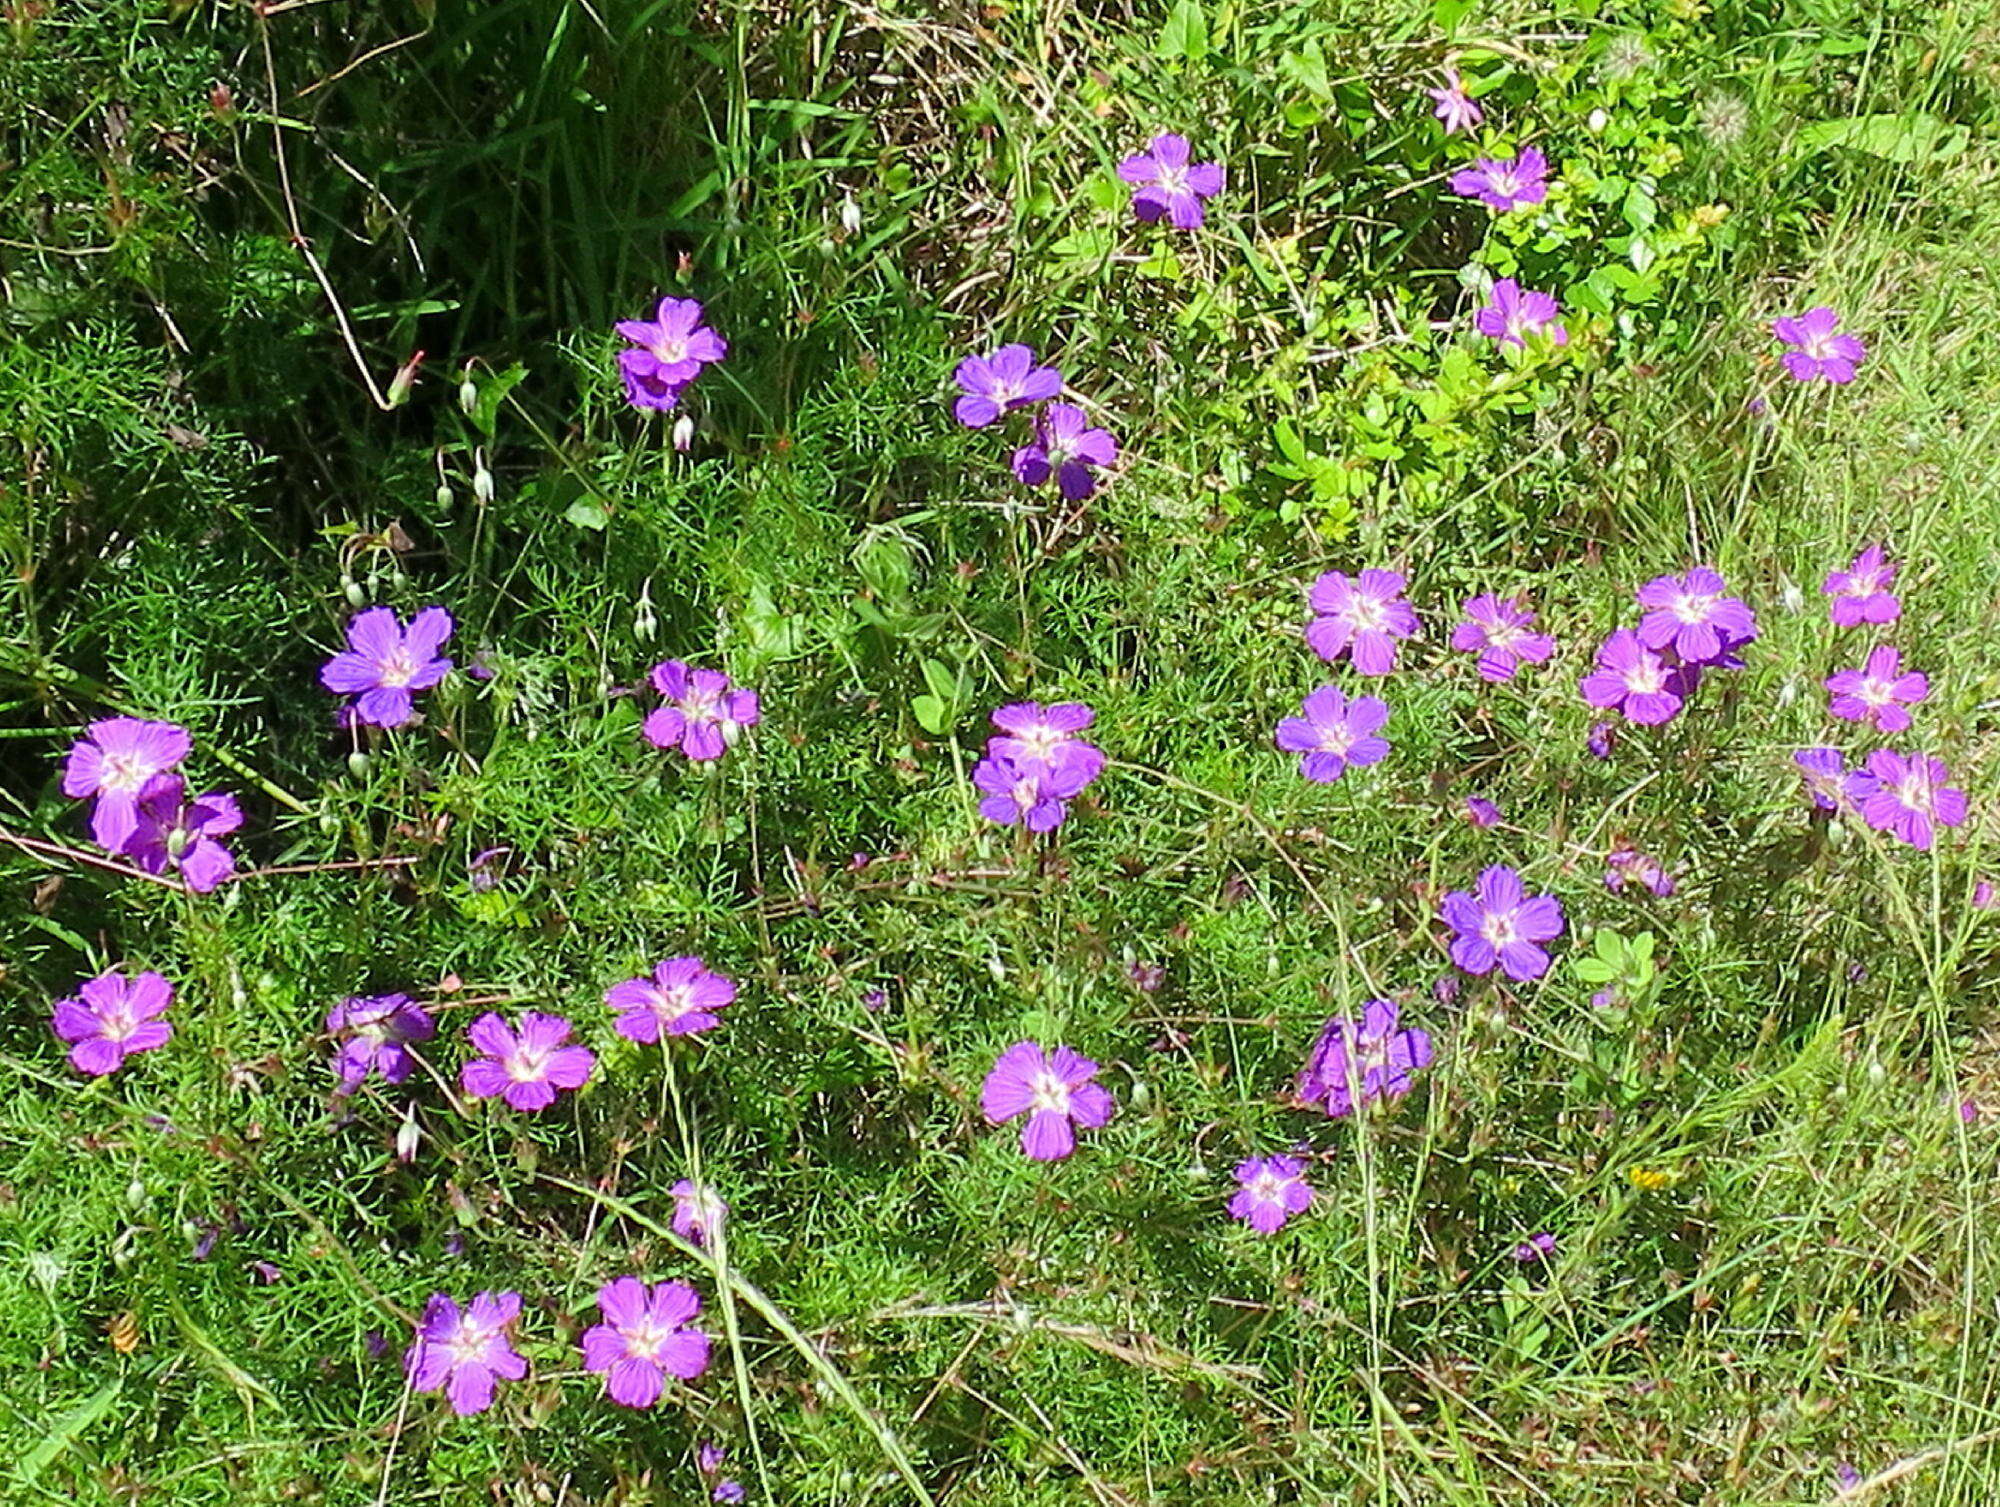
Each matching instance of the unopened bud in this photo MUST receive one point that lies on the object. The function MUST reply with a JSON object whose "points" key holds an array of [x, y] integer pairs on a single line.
{"points": [[482, 480], [683, 433], [404, 380], [357, 764], [443, 494], [1598, 121], [850, 216], [468, 393], [351, 589], [408, 1135]]}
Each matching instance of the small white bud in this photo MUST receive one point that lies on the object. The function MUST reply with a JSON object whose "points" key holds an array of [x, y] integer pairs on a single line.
{"points": [[468, 394], [683, 433], [850, 215], [351, 589], [443, 494], [1598, 121], [408, 1135], [357, 764], [482, 480], [135, 1193]]}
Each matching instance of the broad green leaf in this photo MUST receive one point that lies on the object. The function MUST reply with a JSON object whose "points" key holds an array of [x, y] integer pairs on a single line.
{"points": [[1902, 138]]}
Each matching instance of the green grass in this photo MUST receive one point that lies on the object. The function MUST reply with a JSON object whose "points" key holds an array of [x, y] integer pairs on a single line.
{"points": [[1774, 1244]]}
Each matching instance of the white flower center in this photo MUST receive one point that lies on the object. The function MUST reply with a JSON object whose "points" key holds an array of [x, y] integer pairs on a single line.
{"points": [[1914, 791], [1048, 1092], [1336, 739], [528, 1064], [1693, 607], [1366, 614], [468, 1343], [398, 668], [644, 1340], [1646, 677], [1505, 182], [670, 350], [124, 772], [1499, 928], [1268, 1187]]}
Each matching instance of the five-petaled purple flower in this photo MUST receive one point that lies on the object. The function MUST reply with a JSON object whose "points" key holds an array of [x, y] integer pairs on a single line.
{"points": [[1861, 592], [1335, 734], [1504, 185], [374, 1033], [1065, 447], [1496, 629], [645, 1338], [1635, 680], [1516, 313], [1499, 923], [997, 384], [112, 1017], [116, 761], [1051, 1089], [1623, 866], [1455, 108], [1355, 1062], [1878, 692], [1819, 352], [1363, 616], [464, 1351], [1906, 796], [680, 999], [1170, 187], [1693, 616], [384, 662], [698, 1212], [1273, 1190], [1537, 1247], [704, 716], [180, 832], [1031, 731], [525, 1069], [671, 350], [1481, 812], [1032, 793], [1825, 775]]}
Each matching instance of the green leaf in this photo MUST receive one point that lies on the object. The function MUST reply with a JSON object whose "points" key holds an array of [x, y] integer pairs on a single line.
{"points": [[1307, 69], [945, 684], [588, 512], [932, 715], [1900, 138], [1186, 33], [65, 1431], [1592, 971], [492, 392]]}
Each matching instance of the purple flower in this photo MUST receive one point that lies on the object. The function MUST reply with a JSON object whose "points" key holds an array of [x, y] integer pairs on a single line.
{"points": [[464, 1352], [704, 716], [1356, 1062], [1501, 924], [1066, 448], [1030, 731], [1032, 793], [374, 1033], [709, 1458], [175, 832], [1629, 866], [727, 1492], [645, 1338], [1169, 186], [671, 351], [997, 384], [526, 1069], [680, 999], [1273, 1190], [1877, 692], [1362, 616], [1454, 106], [1335, 734], [1861, 592], [1985, 896], [1690, 615], [116, 761], [1504, 185], [1825, 774], [698, 1212], [1536, 1248], [384, 662], [111, 1018], [1052, 1090], [1481, 812], [1906, 796], [1600, 738], [1634, 679], [1496, 629], [1819, 353], [1514, 314]]}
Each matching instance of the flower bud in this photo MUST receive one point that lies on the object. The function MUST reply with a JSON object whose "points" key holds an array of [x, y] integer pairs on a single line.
{"points": [[1598, 121], [357, 764], [404, 380], [482, 481], [683, 433], [443, 494], [468, 393], [408, 1135], [850, 215], [351, 589]]}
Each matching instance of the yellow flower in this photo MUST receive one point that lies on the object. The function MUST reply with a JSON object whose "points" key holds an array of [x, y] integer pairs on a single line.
{"points": [[1651, 1179]]}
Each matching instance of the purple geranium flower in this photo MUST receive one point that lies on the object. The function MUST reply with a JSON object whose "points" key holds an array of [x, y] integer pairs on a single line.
{"points": [[680, 999], [1500, 923], [646, 1337], [1455, 107], [1878, 692], [704, 716], [1536, 1248], [1504, 185], [111, 1018], [1496, 629], [1052, 1089], [1625, 866], [996, 384], [464, 1351], [1362, 616], [116, 761], [1691, 615], [1033, 793], [176, 832], [1031, 731], [1169, 186], [1335, 734], [1861, 592], [374, 1033], [698, 1212], [526, 1069], [671, 350], [384, 662], [1634, 679], [1825, 774], [1481, 812], [1906, 796], [1067, 448], [1273, 1190], [1356, 1062], [1819, 352], [1514, 314]]}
